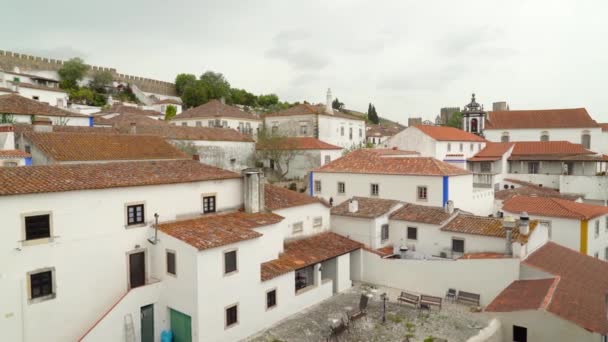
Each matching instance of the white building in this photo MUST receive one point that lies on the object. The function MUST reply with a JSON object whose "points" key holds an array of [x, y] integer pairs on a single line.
{"points": [[215, 113], [162, 105], [318, 121], [448, 144], [392, 174], [33, 87], [377, 134], [9, 155], [579, 226], [18, 109]]}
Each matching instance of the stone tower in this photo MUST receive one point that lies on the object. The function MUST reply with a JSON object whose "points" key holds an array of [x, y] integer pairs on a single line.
{"points": [[473, 117]]}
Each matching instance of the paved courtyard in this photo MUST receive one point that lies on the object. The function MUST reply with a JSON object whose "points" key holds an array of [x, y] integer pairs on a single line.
{"points": [[454, 322]]}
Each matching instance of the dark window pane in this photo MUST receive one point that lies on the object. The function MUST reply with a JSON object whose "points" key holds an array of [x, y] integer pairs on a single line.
{"points": [[209, 204], [412, 233], [230, 261], [231, 315], [135, 214], [271, 299], [458, 246], [171, 263], [520, 334], [41, 284], [37, 227]]}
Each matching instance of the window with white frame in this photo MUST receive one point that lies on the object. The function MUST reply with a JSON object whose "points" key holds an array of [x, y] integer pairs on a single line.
{"points": [[297, 227], [303, 129], [471, 147], [184, 123], [586, 139], [327, 159], [224, 123], [318, 186], [199, 124], [41, 285], [317, 222], [341, 187], [350, 133], [533, 167], [384, 232], [375, 189], [486, 167], [544, 136], [342, 131], [421, 193]]}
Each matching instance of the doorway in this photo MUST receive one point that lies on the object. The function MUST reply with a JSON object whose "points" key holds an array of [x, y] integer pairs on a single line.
{"points": [[147, 323], [180, 326], [137, 269]]}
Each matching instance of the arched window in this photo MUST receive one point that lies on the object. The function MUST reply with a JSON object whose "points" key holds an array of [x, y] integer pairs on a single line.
{"points": [[504, 137], [586, 139], [544, 136], [474, 126]]}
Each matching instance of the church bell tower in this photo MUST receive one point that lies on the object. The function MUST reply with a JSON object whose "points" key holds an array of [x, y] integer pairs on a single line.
{"points": [[473, 117]]}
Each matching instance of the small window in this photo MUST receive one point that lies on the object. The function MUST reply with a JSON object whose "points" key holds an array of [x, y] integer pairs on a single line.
{"points": [[341, 187], [471, 147], [412, 233], [597, 228], [135, 214], [505, 137], [274, 129], [350, 133], [375, 189], [36, 98], [225, 124], [341, 131], [28, 149], [478, 147], [318, 186], [317, 222], [171, 263], [533, 167], [422, 193], [232, 315], [208, 204], [596, 255], [271, 299], [461, 147], [449, 147], [486, 167], [184, 123], [327, 159], [37, 227], [606, 224], [230, 262], [458, 245], [199, 124], [586, 139], [544, 136], [297, 227], [211, 123], [520, 334], [42, 285], [303, 129], [360, 132], [606, 253], [384, 232]]}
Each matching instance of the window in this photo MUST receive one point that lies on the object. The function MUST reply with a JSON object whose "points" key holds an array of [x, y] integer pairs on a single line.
{"points": [[360, 132], [460, 147], [375, 189], [533, 167], [248, 127], [412, 233], [341, 131], [317, 222], [471, 147], [232, 315], [341, 187], [10, 164], [275, 129], [184, 124], [171, 262], [422, 193], [225, 124], [135, 214], [478, 147], [544, 136], [37, 227], [606, 253], [271, 299], [327, 159], [505, 137], [208, 204], [586, 139], [28, 149], [486, 167], [384, 232], [606, 224], [199, 124], [597, 228], [303, 129], [449, 147], [42, 285], [297, 227], [458, 245], [350, 133], [596, 255], [36, 98], [230, 262], [241, 127], [520, 334], [318, 186]]}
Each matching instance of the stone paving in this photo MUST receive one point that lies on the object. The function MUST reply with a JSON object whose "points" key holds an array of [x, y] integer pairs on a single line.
{"points": [[454, 322]]}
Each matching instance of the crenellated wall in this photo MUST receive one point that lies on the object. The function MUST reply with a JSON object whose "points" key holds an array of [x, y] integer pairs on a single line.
{"points": [[9, 60]]}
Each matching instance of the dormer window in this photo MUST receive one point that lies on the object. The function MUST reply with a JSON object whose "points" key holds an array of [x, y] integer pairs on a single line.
{"points": [[505, 137], [544, 136]]}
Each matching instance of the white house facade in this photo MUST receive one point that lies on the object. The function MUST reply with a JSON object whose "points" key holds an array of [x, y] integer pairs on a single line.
{"points": [[215, 113]]}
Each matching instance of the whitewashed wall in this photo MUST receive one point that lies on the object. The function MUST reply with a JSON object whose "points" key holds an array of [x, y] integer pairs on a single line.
{"points": [[305, 214], [330, 131], [572, 135], [222, 153], [204, 122], [53, 98], [56, 120]]}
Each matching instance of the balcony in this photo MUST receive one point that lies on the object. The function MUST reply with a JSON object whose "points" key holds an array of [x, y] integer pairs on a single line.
{"points": [[483, 180]]}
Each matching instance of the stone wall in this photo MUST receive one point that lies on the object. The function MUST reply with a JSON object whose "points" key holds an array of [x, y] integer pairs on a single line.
{"points": [[9, 60]]}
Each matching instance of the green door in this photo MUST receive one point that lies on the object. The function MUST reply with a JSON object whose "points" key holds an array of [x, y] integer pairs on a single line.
{"points": [[147, 323], [181, 327]]}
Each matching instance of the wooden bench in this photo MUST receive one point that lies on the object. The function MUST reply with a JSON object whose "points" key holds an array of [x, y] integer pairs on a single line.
{"points": [[431, 300], [409, 298], [468, 298]]}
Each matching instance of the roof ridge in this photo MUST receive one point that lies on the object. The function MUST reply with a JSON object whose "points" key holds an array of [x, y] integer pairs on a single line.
{"points": [[549, 296]]}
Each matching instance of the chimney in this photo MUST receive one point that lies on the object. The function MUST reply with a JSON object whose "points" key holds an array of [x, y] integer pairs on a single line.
{"points": [[509, 224], [253, 192], [524, 223], [133, 128], [449, 207], [7, 137], [223, 100], [353, 206], [42, 124], [328, 108]]}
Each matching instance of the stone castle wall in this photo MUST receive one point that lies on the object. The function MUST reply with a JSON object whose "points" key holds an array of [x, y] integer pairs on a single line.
{"points": [[9, 60]]}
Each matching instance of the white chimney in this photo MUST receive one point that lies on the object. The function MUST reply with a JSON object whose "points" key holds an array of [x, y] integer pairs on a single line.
{"points": [[7, 137], [42, 124], [508, 225], [253, 192], [328, 108], [524, 223], [353, 206], [449, 207]]}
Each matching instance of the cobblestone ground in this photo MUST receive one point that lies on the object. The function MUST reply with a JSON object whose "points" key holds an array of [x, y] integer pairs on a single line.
{"points": [[453, 322]]}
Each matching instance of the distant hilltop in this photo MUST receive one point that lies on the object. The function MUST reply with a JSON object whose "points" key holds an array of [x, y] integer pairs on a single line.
{"points": [[9, 60]]}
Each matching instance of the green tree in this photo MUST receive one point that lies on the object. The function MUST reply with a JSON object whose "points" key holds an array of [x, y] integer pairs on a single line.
{"points": [[243, 97], [183, 80], [455, 121], [100, 81], [216, 84], [268, 100], [82, 95], [71, 72], [372, 115], [272, 146], [195, 94], [170, 112], [336, 104]]}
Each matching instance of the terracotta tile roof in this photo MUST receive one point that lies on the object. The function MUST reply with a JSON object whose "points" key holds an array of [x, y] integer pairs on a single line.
{"points": [[119, 108], [486, 226], [309, 109], [168, 101], [71, 177], [492, 152], [368, 207], [299, 143], [276, 198], [543, 118], [215, 109], [382, 130], [604, 127], [445, 133], [308, 251], [421, 213], [577, 293], [210, 231], [532, 191], [103, 147], [530, 294], [538, 149], [7, 90], [124, 120], [16, 104], [37, 86], [553, 207], [369, 161], [13, 154], [194, 133], [484, 255], [22, 128]]}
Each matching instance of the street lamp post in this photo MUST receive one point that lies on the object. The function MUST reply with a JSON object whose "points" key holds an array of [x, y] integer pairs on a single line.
{"points": [[384, 297]]}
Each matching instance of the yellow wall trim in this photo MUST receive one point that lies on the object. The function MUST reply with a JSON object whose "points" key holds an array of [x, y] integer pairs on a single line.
{"points": [[584, 236]]}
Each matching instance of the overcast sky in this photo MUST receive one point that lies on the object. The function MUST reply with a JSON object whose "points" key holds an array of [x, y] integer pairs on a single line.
{"points": [[409, 58]]}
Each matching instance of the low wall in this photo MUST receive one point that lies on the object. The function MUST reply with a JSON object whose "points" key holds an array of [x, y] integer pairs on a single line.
{"points": [[593, 187], [487, 277], [548, 181], [491, 333]]}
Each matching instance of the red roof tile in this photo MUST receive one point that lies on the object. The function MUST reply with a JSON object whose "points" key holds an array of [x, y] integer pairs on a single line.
{"points": [[217, 230], [14, 154], [168, 101], [604, 127], [213, 109], [532, 191], [16, 104], [383, 130], [126, 119], [119, 108], [445, 133], [309, 109], [544, 118], [421, 213], [485, 226], [368, 207], [493, 151], [276, 198], [22, 128], [192, 133], [484, 255], [523, 295], [298, 143], [553, 207], [369, 161], [524, 148], [71, 177], [308, 251]]}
